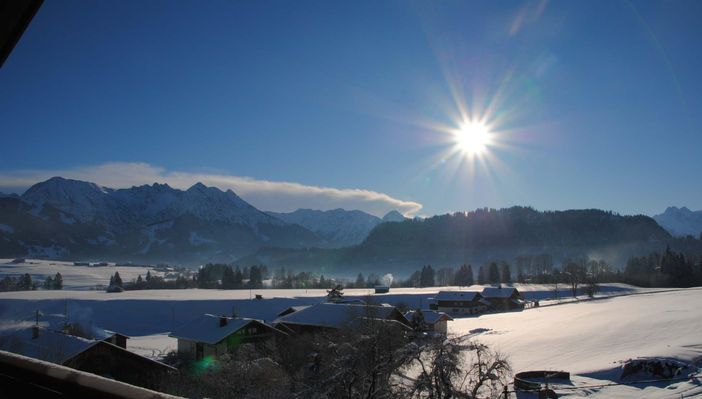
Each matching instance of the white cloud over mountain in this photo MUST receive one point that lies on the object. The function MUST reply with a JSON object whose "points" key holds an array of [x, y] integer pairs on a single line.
{"points": [[279, 196]]}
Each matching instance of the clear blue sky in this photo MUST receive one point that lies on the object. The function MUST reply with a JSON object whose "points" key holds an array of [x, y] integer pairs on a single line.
{"points": [[597, 103]]}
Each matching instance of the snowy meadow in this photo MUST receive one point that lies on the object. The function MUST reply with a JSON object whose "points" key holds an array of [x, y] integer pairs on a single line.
{"points": [[590, 338]]}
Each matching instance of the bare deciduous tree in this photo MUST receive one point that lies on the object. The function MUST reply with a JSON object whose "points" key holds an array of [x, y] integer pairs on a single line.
{"points": [[452, 368]]}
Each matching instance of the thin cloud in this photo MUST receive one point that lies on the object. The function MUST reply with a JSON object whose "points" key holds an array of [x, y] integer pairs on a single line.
{"points": [[277, 196]]}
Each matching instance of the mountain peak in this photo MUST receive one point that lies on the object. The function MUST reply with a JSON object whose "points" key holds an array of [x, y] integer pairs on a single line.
{"points": [[680, 221], [163, 186], [61, 187], [198, 187], [394, 216], [84, 200], [338, 227]]}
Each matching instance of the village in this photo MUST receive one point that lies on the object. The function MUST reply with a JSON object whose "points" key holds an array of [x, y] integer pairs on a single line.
{"points": [[182, 341], [210, 336]]}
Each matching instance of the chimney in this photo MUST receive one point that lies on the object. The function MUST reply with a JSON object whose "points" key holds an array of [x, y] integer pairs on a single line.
{"points": [[222, 321], [35, 327]]}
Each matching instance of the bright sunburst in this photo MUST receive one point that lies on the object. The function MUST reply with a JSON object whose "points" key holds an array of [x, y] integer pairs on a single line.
{"points": [[472, 138]]}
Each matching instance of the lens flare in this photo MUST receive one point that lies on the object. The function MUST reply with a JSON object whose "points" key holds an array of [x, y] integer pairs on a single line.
{"points": [[203, 365]]}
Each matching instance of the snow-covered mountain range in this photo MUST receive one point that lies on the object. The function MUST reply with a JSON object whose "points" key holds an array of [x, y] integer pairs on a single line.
{"points": [[71, 218], [90, 203], [681, 221]]}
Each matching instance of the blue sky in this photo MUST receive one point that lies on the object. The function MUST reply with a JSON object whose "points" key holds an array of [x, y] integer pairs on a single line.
{"points": [[325, 104]]}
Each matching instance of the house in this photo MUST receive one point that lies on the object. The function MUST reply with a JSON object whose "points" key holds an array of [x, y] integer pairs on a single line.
{"points": [[503, 298], [94, 356], [334, 316], [116, 338], [434, 320], [213, 336], [460, 302]]}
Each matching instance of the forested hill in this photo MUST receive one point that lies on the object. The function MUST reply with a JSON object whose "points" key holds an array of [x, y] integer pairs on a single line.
{"points": [[514, 227], [488, 234]]}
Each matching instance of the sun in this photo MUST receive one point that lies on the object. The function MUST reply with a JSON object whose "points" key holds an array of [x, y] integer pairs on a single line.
{"points": [[473, 138]]}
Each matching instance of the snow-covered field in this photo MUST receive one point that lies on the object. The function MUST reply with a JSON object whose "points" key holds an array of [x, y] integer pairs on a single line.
{"points": [[74, 277], [590, 339], [593, 338]]}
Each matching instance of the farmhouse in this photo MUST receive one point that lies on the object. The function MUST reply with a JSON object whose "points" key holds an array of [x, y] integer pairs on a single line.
{"points": [[213, 336], [503, 298], [335, 316], [93, 356], [433, 320], [460, 302]]}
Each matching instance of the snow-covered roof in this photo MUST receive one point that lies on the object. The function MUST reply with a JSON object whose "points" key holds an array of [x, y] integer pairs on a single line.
{"points": [[430, 316], [336, 315], [457, 296], [50, 345], [292, 309], [207, 329], [499, 292], [110, 334]]}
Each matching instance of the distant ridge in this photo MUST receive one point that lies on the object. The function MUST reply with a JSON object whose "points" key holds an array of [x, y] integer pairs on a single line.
{"points": [[486, 235]]}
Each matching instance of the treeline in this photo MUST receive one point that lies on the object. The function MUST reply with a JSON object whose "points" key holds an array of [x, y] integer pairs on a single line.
{"points": [[284, 279], [228, 277], [222, 276], [528, 269], [670, 269], [150, 282], [371, 281], [26, 283]]}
